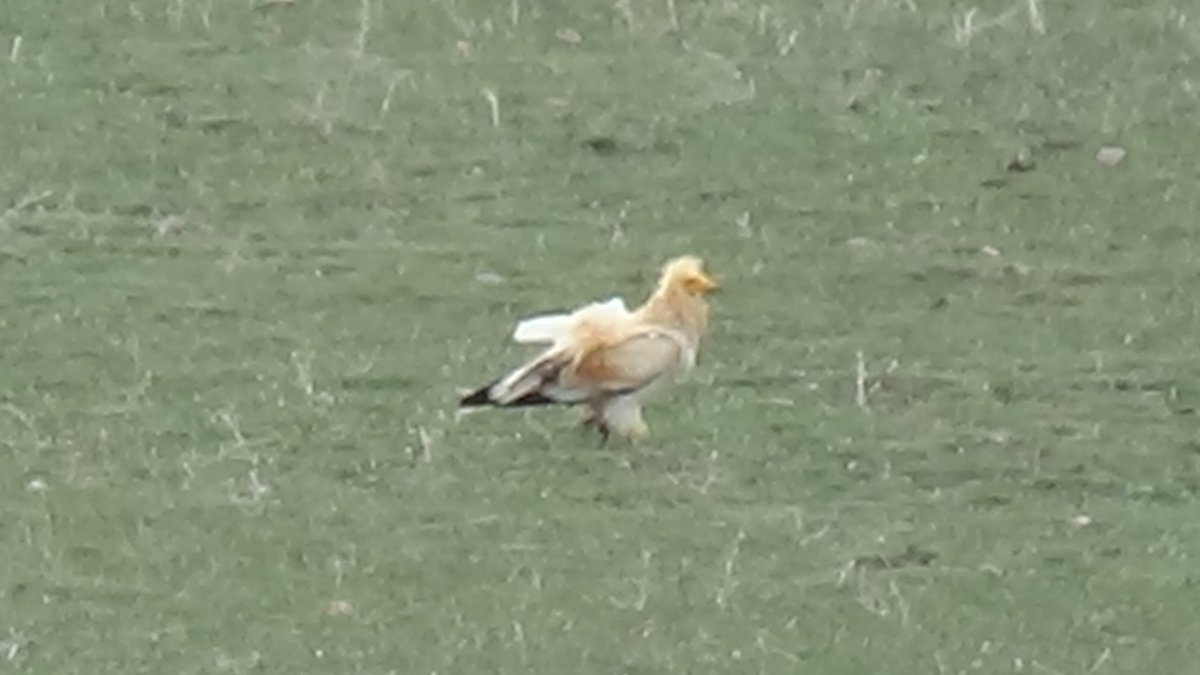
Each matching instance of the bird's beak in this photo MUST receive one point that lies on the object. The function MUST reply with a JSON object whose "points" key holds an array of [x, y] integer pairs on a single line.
{"points": [[706, 285]]}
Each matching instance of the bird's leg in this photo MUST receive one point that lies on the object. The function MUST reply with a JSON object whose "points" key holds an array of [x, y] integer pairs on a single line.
{"points": [[605, 432], [593, 418], [593, 422]]}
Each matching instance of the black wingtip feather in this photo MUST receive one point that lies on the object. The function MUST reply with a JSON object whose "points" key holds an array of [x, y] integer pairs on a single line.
{"points": [[482, 397], [479, 397], [532, 400]]}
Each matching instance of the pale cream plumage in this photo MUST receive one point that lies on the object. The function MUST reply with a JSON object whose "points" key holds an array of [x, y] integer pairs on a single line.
{"points": [[606, 358]]}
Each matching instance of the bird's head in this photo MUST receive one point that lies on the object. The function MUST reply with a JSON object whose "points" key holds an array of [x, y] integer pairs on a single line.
{"points": [[687, 274]]}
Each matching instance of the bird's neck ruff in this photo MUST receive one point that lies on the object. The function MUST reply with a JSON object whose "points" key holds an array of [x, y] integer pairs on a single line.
{"points": [[672, 307]]}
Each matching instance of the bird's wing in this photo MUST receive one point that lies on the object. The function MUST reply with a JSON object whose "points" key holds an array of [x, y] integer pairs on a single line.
{"points": [[531, 384], [627, 363], [594, 364], [555, 328]]}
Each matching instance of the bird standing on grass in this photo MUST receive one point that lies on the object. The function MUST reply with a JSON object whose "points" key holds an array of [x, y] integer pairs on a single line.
{"points": [[606, 358]]}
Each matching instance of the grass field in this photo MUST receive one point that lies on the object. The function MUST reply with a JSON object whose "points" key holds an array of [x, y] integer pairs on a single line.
{"points": [[249, 254]]}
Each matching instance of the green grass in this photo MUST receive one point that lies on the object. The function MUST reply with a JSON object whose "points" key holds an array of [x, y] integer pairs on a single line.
{"points": [[249, 254]]}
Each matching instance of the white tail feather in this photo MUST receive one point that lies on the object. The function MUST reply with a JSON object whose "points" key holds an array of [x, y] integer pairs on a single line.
{"points": [[542, 329], [554, 328], [613, 308]]}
